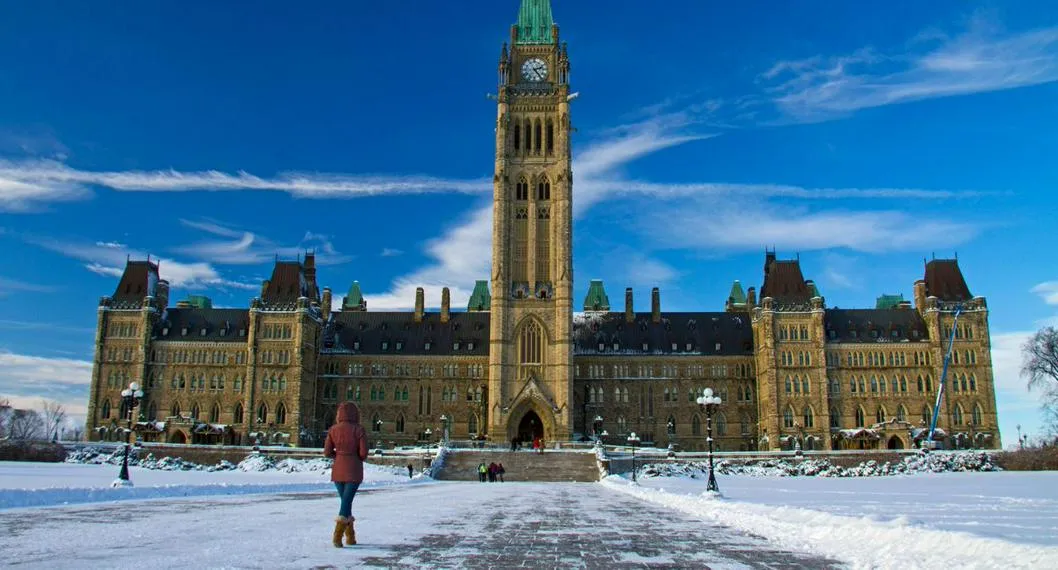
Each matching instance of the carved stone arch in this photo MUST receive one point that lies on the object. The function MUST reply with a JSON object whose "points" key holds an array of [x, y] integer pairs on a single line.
{"points": [[531, 401]]}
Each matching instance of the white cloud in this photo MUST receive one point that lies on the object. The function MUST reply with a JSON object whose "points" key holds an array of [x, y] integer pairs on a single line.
{"points": [[8, 286], [248, 248], [19, 196], [1048, 291], [715, 225], [110, 261], [27, 379], [390, 252], [979, 60]]}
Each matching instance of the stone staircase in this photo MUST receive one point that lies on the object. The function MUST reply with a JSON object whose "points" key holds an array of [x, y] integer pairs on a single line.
{"points": [[565, 466]]}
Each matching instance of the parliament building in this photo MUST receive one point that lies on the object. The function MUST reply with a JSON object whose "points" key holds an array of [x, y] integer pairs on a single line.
{"points": [[525, 360]]}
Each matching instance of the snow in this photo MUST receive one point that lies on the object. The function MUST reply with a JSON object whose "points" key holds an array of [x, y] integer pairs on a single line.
{"points": [[933, 520]]}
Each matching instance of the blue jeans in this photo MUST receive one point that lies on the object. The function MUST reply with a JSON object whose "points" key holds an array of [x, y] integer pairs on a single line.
{"points": [[346, 492]]}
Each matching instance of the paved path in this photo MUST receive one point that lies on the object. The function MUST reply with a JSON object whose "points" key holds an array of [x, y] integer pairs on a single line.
{"points": [[446, 525]]}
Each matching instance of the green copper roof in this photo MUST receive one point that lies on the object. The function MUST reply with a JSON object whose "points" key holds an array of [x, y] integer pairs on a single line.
{"points": [[534, 22], [480, 299], [596, 300], [354, 301], [200, 301], [889, 301], [737, 296], [815, 290]]}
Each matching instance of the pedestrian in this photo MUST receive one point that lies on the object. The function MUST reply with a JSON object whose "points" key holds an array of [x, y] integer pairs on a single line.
{"points": [[500, 471], [482, 470], [410, 469], [492, 472], [347, 445], [514, 443]]}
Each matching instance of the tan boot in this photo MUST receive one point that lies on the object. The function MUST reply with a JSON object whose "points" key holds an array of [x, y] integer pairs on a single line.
{"points": [[350, 532], [341, 524]]}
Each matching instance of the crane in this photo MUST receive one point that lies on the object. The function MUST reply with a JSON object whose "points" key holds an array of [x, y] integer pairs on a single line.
{"points": [[928, 444]]}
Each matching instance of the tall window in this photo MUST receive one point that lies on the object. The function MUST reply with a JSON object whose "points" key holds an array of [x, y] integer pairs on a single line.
{"points": [[809, 417], [531, 344], [400, 423], [262, 413], [721, 424], [975, 418], [957, 415], [281, 414], [696, 426], [472, 424], [861, 420], [214, 414], [787, 417], [237, 415]]}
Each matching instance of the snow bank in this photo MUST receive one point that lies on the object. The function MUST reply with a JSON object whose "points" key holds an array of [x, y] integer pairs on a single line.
{"points": [[862, 542], [918, 463]]}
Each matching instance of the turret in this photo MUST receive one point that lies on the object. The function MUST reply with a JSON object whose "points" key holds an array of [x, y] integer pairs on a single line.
{"points": [[326, 302]]}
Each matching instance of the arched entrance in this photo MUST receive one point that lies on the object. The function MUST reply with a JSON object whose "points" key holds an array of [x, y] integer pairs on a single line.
{"points": [[895, 443], [530, 428], [178, 437]]}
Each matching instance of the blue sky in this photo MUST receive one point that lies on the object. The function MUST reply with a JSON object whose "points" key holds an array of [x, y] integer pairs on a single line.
{"points": [[863, 138]]}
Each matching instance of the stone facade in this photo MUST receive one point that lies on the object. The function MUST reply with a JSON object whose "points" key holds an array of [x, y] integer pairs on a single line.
{"points": [[519, 363]]}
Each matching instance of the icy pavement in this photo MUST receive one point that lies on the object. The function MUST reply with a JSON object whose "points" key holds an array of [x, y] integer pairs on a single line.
{"points": [[465, 525]]}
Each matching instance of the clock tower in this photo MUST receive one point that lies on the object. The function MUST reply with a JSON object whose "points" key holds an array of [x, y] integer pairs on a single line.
{"points": [[531, 350]]}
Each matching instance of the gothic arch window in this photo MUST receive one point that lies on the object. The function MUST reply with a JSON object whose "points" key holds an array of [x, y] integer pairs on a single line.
{"points": [[543, 189], [237, 414], [262, 413], [804, 385], [531, 343], [789, 385], [927, 415], [808, 416], [874, 385], [901, 413], [281, 414], [880, 414], [400, 423], [973, 382], [861, 419], [903, 384], [152, 411], [527, 128], [376, 423], [550, 136], [106, 409], [957, 415], [283, 383], [472, 424], [788, 417], [835, 418], [696, 425], [175, 410], [975, 415], [537, 136], [744, 420], [517, 136], [214, 414], [521, 190], [929, 383], [195, 412]]}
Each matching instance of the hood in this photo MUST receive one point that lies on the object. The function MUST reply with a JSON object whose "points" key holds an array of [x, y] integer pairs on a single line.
{"points": [[348, 412]]}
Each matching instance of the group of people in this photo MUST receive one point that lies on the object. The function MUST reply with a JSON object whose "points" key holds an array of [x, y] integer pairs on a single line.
{"points": [[491, 472], [538, 444]]}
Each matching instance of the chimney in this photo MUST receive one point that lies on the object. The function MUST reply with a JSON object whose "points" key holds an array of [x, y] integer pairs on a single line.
{"points": [[751, 297], [326, 302], [264, 288], [920, 295], [161, 298], [655, 305], [630, 313], [446, 304], [419, 304]]}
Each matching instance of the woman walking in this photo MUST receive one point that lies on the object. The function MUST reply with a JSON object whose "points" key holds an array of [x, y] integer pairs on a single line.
{"points": [[347, 445]]}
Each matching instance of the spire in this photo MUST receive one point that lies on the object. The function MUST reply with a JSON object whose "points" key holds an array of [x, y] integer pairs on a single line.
{"points": [[596, 300], [535, 22], [354, 301]]}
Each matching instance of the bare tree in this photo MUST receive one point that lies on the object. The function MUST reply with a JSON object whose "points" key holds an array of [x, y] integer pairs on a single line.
{"points": [[5, 414], [1040, 365], [25, 424], [53, 416]]}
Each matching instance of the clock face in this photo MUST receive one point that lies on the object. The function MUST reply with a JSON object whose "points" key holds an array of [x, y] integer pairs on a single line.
{"points": [[534, 70]]}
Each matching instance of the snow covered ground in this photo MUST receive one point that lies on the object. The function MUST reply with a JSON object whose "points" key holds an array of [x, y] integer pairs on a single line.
{"points": [[46, 484], [969, 520]]}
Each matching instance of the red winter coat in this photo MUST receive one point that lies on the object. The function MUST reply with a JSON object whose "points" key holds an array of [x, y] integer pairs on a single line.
{"points": [[347, 444]]}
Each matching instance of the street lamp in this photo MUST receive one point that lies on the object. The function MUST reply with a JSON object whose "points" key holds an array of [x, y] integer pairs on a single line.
{"points": [[1021, 442], [429, 434], [130, 398], [444, 429], [708, 402], [596, 425], [633, 439]]}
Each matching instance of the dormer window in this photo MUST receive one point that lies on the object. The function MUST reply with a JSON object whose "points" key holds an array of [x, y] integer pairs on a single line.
{"points": [[646, 347], [183, 331], [385, 345], [914, 334], [718, 347], [242, 332], [356, 345], [165, 331], [602, 346], [426, 346], [400, 345], [223, 332], [874, 333], [203, 332], [853, 334], [673, 347], [455, 345], [689, 345], [896, 333], [470, 346], [616, 346]]}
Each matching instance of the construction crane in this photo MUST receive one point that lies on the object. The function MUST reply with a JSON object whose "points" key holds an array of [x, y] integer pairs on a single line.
{"points": [[928, 443]]}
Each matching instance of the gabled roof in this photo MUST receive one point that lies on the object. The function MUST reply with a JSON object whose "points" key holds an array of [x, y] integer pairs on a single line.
{"points": [[874, 325], [784, 282], [139, 280], [480, 298], [708, 334], [288, 283], [378, 333], [187, 324], [944, 281]]}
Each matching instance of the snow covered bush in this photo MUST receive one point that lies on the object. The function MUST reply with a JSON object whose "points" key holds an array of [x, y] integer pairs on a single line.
{"points": [[918, 463]]}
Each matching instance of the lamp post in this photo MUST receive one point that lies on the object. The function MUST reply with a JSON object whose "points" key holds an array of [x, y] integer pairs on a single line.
{"points": [[596, 425], [633, 439], [444, 429], [429, 435], [707, 402], [130, 398], [1021, 442]]}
